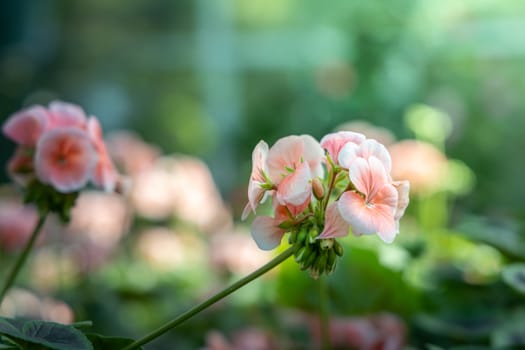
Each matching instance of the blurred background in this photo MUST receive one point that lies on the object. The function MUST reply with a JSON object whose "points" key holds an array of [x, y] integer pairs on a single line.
{"points": [[185, 89]]}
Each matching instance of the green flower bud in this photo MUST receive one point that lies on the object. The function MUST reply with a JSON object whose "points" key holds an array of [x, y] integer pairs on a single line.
{"points": [[338, 248], [326, 244], [312, 234]]}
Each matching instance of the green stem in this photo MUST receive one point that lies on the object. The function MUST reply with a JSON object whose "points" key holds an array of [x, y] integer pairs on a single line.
{"points": [[324, 319], [212, 300], [23, 256]]}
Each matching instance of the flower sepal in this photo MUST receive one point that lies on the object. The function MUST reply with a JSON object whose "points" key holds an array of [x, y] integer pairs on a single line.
{"points": [[48, 200]]}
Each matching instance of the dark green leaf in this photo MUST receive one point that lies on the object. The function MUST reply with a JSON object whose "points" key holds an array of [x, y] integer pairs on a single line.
{"points": [[514, 276], [50, 335], [101, 342]]}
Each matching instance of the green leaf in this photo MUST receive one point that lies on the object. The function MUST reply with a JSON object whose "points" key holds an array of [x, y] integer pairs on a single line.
{"points": [[101, 342], [50, 335], [514, 276], [510, 332], [504, 236]]}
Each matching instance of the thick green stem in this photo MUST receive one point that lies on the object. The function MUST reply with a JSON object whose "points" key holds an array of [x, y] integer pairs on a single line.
{"points": [[212, 300], [22, 257], [324, 317]]}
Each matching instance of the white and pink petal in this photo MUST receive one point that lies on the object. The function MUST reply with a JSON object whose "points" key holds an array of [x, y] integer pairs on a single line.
{"points": [[266, 232]]}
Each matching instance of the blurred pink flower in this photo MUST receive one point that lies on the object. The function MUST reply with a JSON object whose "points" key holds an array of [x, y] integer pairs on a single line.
{"points": [[422, 164], [244, 339], [16, 224], [98, 223], [236, 252], [65, 158], [104, 175], [130, 153], [20, 303], [378, 332], [183, 187], [166, 250], [60, 146], [26, 127]]}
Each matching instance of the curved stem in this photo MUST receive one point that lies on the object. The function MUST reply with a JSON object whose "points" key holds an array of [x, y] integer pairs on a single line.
{"points": [[23, 256], [212, 300]]}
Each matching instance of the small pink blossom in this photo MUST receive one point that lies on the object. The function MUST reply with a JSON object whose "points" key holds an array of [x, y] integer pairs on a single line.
{"points": [[373, 208], [289, 152], [26, 127], [65, 158], [104, 174], [334, 142]]}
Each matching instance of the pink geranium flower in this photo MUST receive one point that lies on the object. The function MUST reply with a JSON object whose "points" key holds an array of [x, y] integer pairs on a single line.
{"points": [[104, 174], [292, 163], [334, 142], [372, 208], [26, 126], [65, 158], [257, 178]]}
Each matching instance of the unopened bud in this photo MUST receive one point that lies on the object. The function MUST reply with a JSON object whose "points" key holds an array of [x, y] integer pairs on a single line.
{"points": [[338, 248], [331, 261], [317, 188], [312, 234], [301, 236], [326, 243]]}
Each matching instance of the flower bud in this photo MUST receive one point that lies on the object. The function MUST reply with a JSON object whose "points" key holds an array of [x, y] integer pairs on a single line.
{"points": [[317, 188], [338, 248], [326, 243]]}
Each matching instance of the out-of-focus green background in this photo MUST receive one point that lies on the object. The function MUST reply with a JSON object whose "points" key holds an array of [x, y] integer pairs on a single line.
{"points": [[209, 79]]}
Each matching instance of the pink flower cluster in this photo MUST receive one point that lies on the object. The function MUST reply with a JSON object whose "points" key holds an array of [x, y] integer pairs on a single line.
{"points": [[339, 184], [61, 146]]}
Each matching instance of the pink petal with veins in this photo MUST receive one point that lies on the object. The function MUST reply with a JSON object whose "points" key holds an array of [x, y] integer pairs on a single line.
{"points": [[266, 232], [335, 225], [296, 188]]}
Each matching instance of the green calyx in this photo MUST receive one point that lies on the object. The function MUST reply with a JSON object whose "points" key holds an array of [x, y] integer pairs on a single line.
{"points": [[318, 256], [47, 199]]}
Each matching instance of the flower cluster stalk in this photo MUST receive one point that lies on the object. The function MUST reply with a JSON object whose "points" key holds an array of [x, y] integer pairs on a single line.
{"points": [[23, 256]]}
